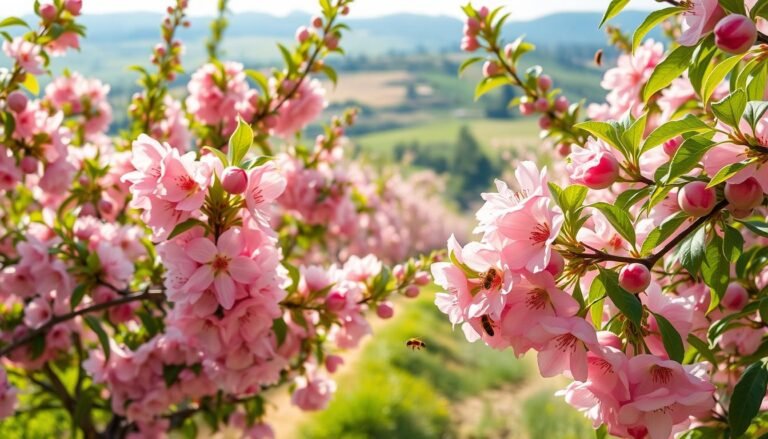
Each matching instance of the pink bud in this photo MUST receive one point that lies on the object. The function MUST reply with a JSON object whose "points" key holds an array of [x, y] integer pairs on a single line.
{"points": [[739, 213], [48, 12], [561, 104], [564, 149], [317, 22], [234, 180], [601, 172], [735, 297], [331, 42], [421, 278], [696, 199], [335, 301], [545, 82], [302, 34], [29, 164], [73, 6], [332, 363], [482, 12], [398, 271], [556, 264], [385, 310], [105, 207], [509, 49], [541, 105], [735, 34], [490, 68], [745, 195], [87, 210], [671, 146], [469, 44], [471, 26], [607, 338], [526, 108], [635, 277], [17, 101], [345, 10], [545, 122], [412, 291]]}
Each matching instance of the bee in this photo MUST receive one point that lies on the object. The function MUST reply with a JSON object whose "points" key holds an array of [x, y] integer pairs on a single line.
{"points": [[599, 57], [487, 325], [415, 344], [490, 278]]}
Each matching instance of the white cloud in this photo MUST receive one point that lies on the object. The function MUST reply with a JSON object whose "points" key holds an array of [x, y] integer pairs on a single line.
{"points": [[521, 9]]}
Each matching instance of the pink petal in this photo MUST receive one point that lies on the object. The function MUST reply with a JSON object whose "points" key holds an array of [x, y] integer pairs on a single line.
{"points": [[552, 362], [243, 270], [224, 287], [200, 280], [231, 242], [201, 250]]}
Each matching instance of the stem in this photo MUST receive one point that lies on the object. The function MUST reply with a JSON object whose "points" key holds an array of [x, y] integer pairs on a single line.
{"points": [[26, 338]]}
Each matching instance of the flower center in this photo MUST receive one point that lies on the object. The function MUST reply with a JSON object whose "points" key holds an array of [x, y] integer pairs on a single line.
{"points": [[566, 342], [220, 263], [537, 298], [661, 375], [257, 197], [185, 183], [540, 233]]}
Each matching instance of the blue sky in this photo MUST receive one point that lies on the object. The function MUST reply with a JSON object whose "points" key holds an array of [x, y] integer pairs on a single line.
{"points": [[521, 9]]}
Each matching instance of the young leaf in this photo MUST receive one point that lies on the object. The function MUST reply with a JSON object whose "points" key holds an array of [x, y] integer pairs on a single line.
{"points": [[488, 84], [733, 244], [613, 10], [280, 329], [673, 129], [688, 155], [240, 142], [729, 171], [186, 225], [716, 76], [673, 343], [661, 233], [715, 270], [96, 327], [626, 302], [619, 219], [219, 154], [670, 68], [747, 397], [754, 112], [650, 22], [602, 130], [730, 108], [758, 227], [468, 62], [692, 250]]}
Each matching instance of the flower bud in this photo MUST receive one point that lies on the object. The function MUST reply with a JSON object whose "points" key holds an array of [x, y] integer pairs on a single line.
{"points": [[671, 146], [385, 310], [331, 41], [545, 82], [412, 291], [29, 164], [332, 363], [302, 34], [398, 271], [345, 10], [556, 264], [317, 22], [490, 68], [735, 297], [105, 207], [335, 301], [48, 12], [17, 101], [541, 105], [635, 277], [469, 44], [545, 122], [421, 278], [561, 104], [745, 195], [600, 171], [735, 34], [696, 199], [73, 6], [482, 12], [564, 149], [526, 108], [471, 26], [234, 180]]}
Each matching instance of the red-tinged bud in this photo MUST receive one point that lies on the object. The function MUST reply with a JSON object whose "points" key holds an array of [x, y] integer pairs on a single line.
{"points": [[87, 210], [696, 199], [105, 207], [564, 149], [526, 108], [234, 180], [556, 264], [483, 12], [302, 34], [671, 146], [469, 44], [332, 363], [735, 297], [398, 271], [745, 195], [541, 105], [29, 165], [491, 68], [17, 101], [421, 278], [345, 10], [412, 291], [602, 172], [385, 310], [545, 82], [545, 122], [331, 42], [607, 338], [471, 26], [735, 34], [73, 6], [335, 301], [635, 277], [48, 12], [317, 22], [561, 104]]}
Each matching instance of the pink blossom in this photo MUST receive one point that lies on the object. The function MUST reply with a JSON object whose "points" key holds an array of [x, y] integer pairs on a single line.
{"points": [[265, 184], [10, 174], [184, 180], [218, 94], [312, 392], [223, 265], [116, 268], [8, 398], [26, 54], [529, 235], [569, 339], [37, 313], [594, 166], [699, 20], [67, 40], [305, 105]]}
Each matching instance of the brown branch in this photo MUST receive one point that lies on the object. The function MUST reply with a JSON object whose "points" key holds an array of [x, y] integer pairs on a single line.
{"points": [[28, 337]]}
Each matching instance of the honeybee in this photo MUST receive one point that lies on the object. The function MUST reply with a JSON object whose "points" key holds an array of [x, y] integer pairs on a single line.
{"points": [[490, 278], [415, 344], [599, 57], [487, 325]]}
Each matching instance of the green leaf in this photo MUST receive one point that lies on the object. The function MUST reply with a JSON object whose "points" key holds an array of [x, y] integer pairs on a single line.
{"points": [[673, 129], [573, 197], [602, 432], [729, 171], [716, 76], [331, 74], [468, 62], [715, 268], [240, 142], [288, 58], [734, 6], [687, 157], [758, 227], [730, 108], [219, 154], [692, 251], [602, 130], [613, 10], [760, 9], [754, 112], [31, 84], [596, 300], [259, 78], [626, 302], [702, 62], [77, 295], [733, 244], [280, 329], [673, 343], [661, 233], [756, 87], [703, 348], [13, 21], [652, 21], [488, 84], [186, 225], [632, 136], [171, 373], [747, 397], [96, 327], [670, 68], [294, 274], [619, 219]]}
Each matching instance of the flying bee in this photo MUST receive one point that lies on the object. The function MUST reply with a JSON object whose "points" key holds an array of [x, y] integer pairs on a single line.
{"points": [[415, 344], [599, 57], [490, 278], [487, 325]]}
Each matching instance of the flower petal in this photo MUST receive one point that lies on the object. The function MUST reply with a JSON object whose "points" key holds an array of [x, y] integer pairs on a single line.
{"points": [[201, 250]]}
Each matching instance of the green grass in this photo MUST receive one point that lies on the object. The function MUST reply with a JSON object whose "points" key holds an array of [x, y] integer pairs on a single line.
{"points": [[402, 393], [546, 415]]}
